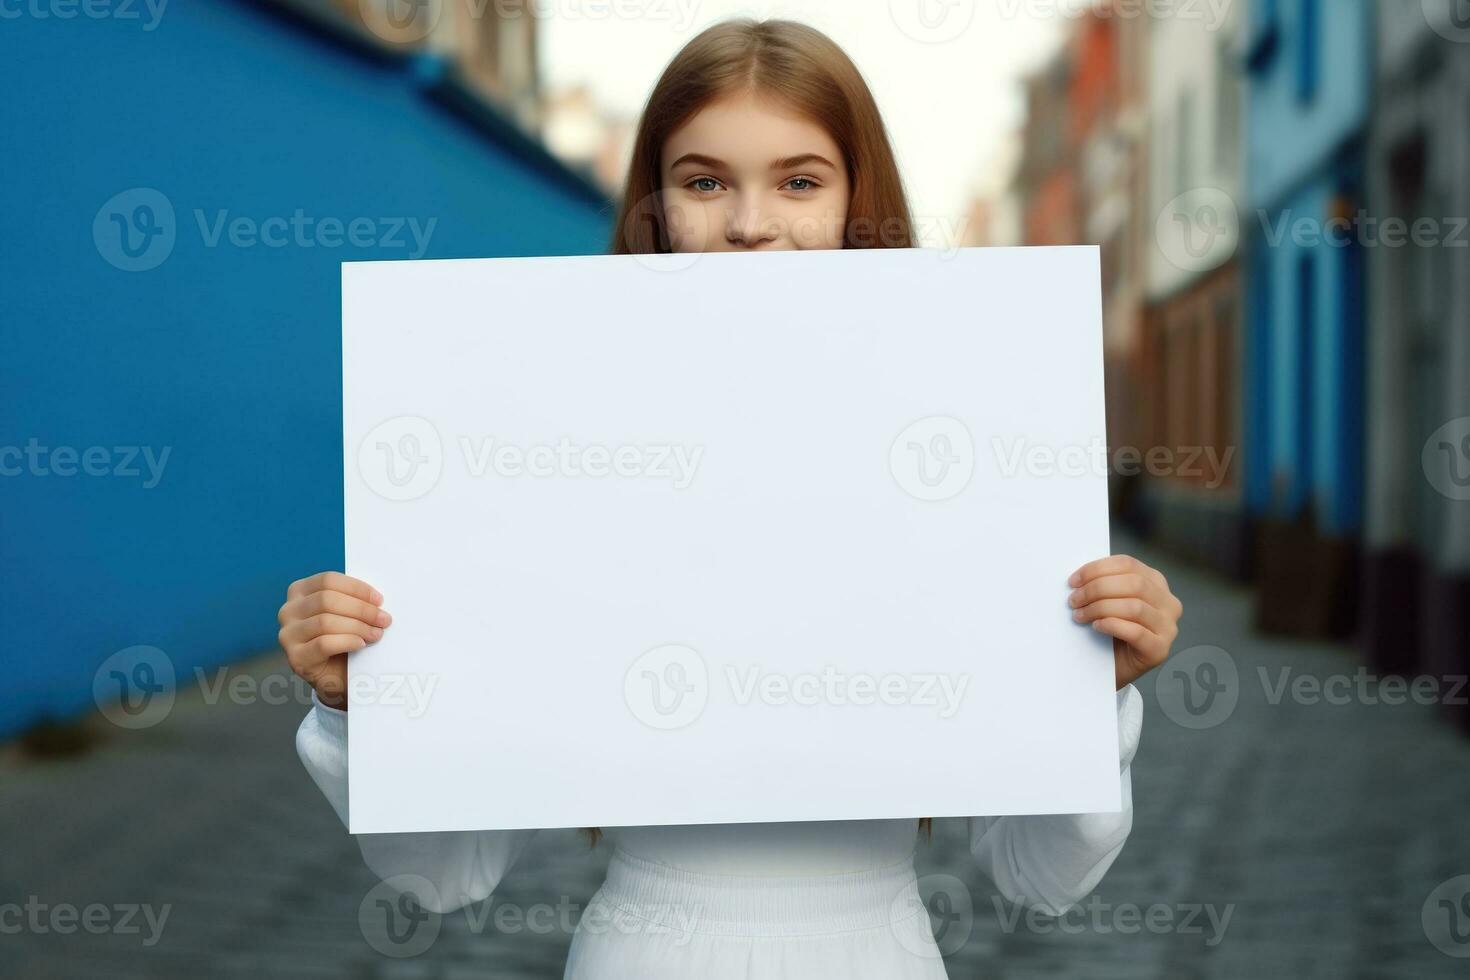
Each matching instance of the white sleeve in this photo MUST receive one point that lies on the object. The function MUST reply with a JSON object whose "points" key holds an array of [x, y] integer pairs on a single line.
{"points": [[1051, 862], [460, 867]]}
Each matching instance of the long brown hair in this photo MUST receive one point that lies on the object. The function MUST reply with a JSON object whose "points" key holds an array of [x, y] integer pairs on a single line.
{"points": [[808, 71], [805, 69]]}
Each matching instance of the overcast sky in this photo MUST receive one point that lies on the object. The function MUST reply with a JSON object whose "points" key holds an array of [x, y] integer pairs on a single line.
{"points": [[945, 72]]}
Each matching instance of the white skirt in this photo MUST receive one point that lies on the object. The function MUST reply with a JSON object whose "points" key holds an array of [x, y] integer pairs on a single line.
{"points": [[651, 921]]}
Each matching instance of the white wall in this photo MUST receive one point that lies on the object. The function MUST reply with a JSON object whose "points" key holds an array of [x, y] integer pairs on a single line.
{"points": [[1196, 127]]}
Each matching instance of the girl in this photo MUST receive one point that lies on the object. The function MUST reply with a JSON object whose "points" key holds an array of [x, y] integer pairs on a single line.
{"points": [[759, 135]]}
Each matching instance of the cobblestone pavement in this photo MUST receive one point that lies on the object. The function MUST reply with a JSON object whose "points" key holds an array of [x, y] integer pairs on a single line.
{"points": [[1288, 840]]}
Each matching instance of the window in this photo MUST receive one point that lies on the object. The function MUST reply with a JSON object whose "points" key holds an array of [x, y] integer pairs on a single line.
{"points": [[1260, 406], [1226, 384], [1305, 393], [1265, 33], [1309, 31]]}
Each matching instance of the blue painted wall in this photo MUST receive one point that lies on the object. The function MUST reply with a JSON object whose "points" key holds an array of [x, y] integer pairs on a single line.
{"points": [[225, 355], [1290, 137], [1310, 86]]}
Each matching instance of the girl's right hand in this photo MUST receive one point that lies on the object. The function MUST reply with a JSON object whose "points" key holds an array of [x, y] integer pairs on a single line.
{"points": [[325, 617]]}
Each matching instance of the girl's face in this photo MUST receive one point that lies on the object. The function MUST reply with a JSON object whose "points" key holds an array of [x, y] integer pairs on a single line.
{"points": [[748, 173]]}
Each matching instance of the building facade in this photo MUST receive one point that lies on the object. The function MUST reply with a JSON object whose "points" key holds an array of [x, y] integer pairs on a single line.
{"points": [[490, 46], [1081, 169], [1192, 334], [1047, 179], [200, 326], [1310, 70], [1416, 586], [1108, 129]]}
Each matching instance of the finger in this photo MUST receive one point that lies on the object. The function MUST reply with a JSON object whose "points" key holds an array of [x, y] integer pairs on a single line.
{"points": [[302, 630], [1134, 634], [1111, 565], [1114, 565], [334, 582], [1133, 609], [308, 658], [335, 602], [1125, 585]]}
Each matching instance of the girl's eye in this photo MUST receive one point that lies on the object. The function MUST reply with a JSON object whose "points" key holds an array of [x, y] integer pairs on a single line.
{"points": [[801, 185], [705, 185]]}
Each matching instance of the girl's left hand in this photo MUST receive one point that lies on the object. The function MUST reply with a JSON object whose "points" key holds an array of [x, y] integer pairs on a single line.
{"points": [[1131, 602]]}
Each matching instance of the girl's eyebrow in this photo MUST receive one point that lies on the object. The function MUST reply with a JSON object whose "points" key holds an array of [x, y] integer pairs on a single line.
{"points": [[791, 163], [701, 160], [785, 163]]}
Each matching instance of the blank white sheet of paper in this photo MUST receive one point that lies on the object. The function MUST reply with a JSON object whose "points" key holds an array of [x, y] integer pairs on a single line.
{"points": [[726, 538]]}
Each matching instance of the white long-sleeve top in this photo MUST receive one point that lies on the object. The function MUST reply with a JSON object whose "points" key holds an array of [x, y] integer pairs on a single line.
{"points": [[773, 900]]}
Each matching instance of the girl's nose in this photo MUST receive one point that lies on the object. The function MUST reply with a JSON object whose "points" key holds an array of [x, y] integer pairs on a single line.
{"points": [[746, 224]]}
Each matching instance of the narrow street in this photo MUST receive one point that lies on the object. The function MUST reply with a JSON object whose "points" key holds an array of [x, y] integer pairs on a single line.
{"points": [[1297, 839]]}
